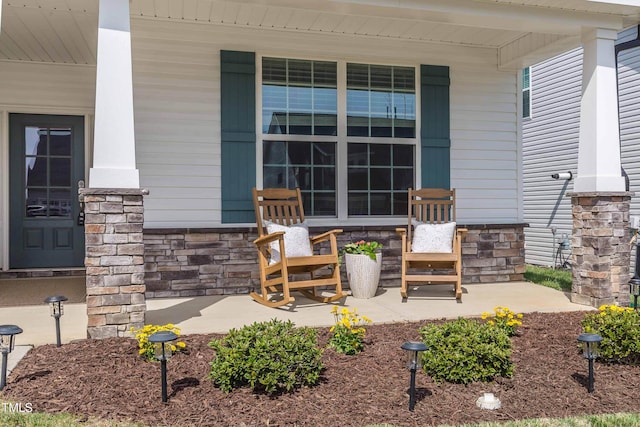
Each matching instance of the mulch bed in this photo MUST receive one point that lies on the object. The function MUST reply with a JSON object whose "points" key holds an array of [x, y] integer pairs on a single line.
{"points": [[107, 379]]}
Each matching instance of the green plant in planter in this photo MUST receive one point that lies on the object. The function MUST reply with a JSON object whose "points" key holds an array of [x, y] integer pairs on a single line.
{"points": [[362, 248], [268, 356]]}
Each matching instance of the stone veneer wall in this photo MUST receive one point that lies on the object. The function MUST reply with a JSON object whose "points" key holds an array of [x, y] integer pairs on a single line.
{"points": [[600, 250], [223, 261], [114, 261]]}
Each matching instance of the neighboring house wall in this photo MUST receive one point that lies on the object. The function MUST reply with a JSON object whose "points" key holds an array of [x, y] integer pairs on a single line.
{"points": [[550, 144]]}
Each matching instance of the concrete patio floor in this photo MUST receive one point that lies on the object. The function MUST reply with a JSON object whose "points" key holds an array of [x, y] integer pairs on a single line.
{"points": [[219, 314]]}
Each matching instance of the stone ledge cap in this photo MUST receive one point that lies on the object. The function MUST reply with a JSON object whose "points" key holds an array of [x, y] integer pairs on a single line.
{"points": [[114, 191], [601, 194]]}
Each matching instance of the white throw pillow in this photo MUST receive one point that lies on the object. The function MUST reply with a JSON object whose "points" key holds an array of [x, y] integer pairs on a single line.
{"points": [[296, 241], [429, 238]]}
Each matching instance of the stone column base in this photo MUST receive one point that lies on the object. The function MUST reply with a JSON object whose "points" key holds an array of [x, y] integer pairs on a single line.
{"points": [[114, 261], [600, 251]]}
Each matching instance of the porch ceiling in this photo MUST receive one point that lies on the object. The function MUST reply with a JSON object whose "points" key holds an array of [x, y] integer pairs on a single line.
{"points": [[522, 31]]}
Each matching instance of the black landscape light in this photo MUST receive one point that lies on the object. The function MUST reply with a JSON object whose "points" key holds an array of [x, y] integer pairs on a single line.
{"points": [[57, 310], [590, 351], [7, 343], [161, 341], [634, 288], [634, 283], [413, 348]]}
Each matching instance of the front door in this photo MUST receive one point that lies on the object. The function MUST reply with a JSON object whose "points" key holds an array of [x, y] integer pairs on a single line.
{"points": [[46, 162]]}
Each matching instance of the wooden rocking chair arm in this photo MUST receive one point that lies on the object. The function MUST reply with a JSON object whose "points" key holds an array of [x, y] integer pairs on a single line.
{"points": [[268, 238], [401, 231], [325, 236], [461, 231]]}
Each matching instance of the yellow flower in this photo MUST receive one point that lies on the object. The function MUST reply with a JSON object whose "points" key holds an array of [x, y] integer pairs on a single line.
{"points": [[345, 311], [181, 344], [519, 316]]}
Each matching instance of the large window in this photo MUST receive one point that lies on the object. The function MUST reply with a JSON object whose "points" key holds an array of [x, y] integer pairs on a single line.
{"points": [[323, 120]]}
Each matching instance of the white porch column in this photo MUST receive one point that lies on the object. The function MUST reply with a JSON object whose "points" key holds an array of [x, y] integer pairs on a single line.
{"points": [[599, 144], [114, 157]]}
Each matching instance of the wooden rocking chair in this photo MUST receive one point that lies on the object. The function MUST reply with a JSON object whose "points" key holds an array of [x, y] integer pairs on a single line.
{"points": [[432, 241], [280, 210]]}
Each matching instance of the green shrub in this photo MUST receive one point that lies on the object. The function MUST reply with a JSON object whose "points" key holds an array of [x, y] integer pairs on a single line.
{"points": [[619, 328], [465, 350], [268, 356]]}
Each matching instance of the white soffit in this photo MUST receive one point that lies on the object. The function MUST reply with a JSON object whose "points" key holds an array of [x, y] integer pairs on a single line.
{"points": [[65, 31]]}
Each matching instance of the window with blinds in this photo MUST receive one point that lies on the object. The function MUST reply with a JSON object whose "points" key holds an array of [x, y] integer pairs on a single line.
{"points": [[309, 137]]}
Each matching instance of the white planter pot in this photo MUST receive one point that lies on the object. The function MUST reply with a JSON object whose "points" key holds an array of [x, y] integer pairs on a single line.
{"points": [[363, 274]]}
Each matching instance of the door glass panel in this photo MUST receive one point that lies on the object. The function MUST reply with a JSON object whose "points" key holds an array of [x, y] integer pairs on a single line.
{"points": [[60, 203], [60, 142], [35, 141], [48, 167], [36, 171], [36, 201], [61, 172]]}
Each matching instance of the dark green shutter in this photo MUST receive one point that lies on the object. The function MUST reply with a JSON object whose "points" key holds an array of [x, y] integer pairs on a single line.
{"points": [[435, 132], [238, 125]]}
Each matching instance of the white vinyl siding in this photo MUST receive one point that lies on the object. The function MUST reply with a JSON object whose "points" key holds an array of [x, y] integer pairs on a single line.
{"points": [[484, 157], [176, 95]]}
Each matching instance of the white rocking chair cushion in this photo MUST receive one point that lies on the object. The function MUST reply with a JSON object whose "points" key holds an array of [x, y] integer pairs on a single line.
{"points": [[429, 238], [296, 241]]}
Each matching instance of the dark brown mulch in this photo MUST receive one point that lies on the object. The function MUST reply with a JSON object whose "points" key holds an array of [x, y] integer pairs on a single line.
{"points": [[107, 379]]}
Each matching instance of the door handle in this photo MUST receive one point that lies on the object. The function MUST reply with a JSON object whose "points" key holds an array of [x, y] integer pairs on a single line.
{"points": [[80, 219]]}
